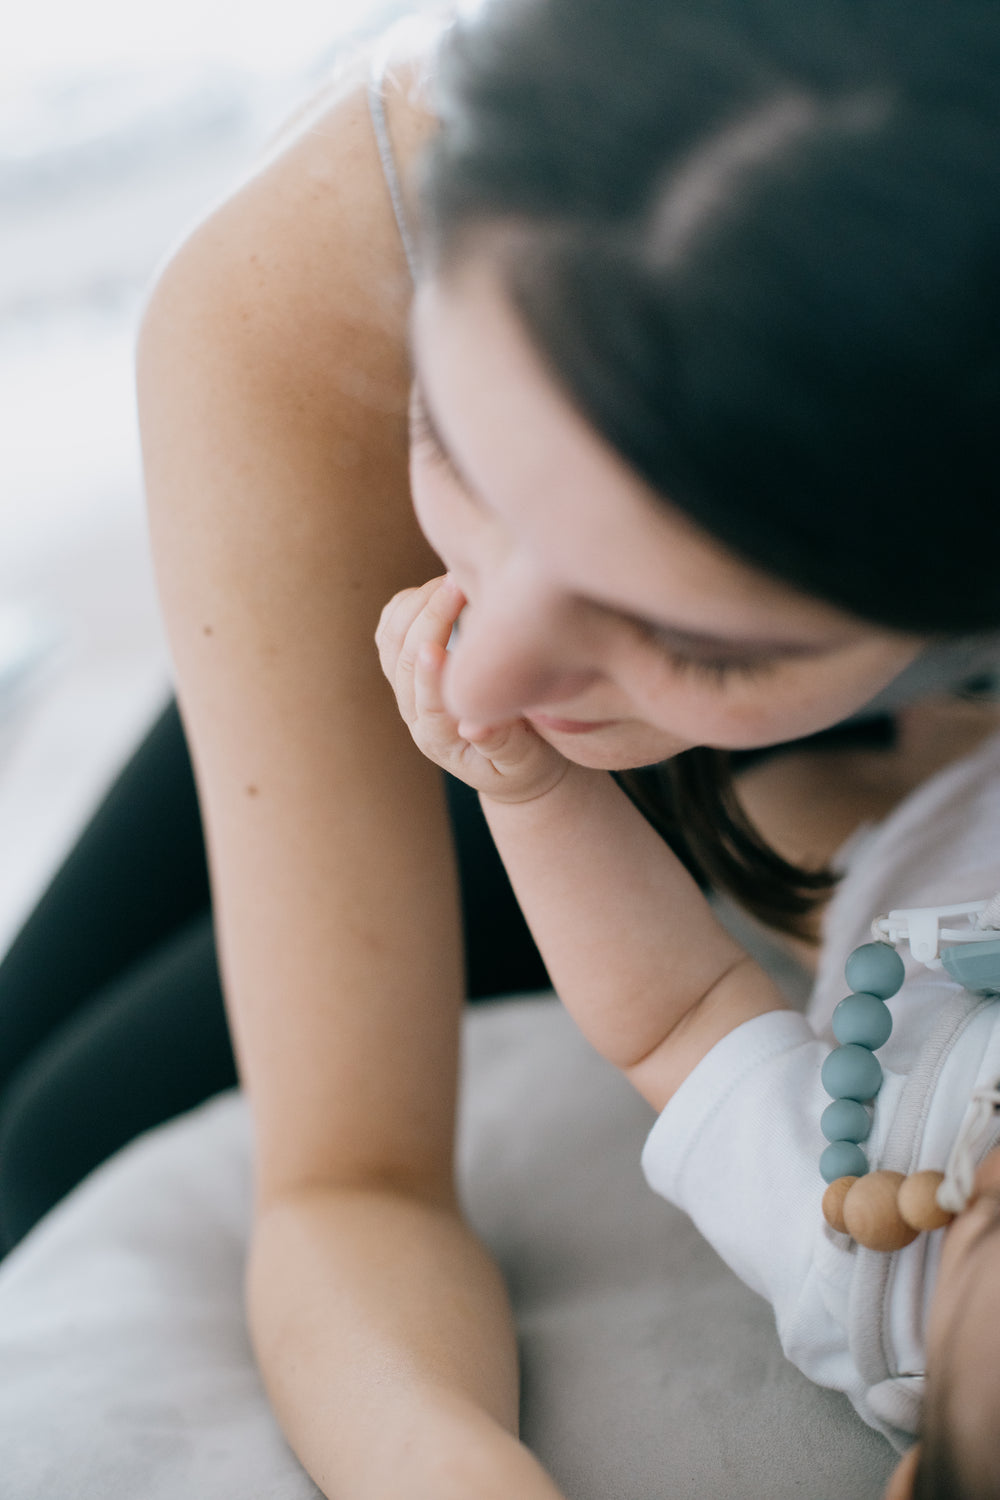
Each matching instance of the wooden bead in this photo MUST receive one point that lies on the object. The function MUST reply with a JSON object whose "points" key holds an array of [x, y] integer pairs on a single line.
{"points": [[917, 1201], [871, 1213], [833, 1202]]}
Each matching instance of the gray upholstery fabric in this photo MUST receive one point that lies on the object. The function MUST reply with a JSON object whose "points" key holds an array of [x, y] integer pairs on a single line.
{"points": [[649, 1371]]}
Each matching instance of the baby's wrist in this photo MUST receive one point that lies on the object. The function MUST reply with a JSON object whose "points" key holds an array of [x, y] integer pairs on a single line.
{"points": [[567, 784], [525, 796]]}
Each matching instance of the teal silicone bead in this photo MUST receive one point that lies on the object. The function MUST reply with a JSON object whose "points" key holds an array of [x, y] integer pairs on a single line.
{"points": [[875, 968], [864, 1019], [852, 1072], [845, 1120], [842, 1159]]}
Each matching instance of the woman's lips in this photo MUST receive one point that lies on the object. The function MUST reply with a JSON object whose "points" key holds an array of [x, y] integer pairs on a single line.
{"points": [[568, 726]]}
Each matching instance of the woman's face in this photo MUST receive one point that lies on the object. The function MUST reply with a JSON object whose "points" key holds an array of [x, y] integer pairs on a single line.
{"points": [[617, 628]]}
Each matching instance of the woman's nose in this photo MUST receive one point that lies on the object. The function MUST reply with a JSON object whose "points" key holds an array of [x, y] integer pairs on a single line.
{"points": [[514, 651]]}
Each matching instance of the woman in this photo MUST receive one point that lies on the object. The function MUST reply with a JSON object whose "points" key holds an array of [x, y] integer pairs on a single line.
{"points": [[770, 305]]}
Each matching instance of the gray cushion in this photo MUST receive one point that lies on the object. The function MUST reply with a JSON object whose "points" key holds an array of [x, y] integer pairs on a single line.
{"points": [[649, 1370]]}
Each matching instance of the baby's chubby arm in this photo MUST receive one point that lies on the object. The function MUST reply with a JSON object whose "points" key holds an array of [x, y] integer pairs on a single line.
{"points": [[649, 975]]}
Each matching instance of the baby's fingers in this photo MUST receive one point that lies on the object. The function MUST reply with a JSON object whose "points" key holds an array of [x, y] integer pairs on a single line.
{"points": [[395, 620], [523, 765], [431, 623], [504, 744], [434, 726], [506, 761]]}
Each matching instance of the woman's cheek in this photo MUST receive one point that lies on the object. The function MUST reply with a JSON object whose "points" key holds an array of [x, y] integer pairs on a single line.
{"points": [[700, 711], [742, 716]]}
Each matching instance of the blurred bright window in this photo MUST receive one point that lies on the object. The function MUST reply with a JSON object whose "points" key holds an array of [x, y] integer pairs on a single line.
{"points": [[121, 122]]}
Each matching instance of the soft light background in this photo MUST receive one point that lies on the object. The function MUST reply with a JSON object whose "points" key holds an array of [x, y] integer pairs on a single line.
{"points": [[121, 122]]}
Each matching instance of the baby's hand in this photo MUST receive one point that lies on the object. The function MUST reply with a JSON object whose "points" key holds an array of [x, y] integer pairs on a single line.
{"points": [[508, 762]]}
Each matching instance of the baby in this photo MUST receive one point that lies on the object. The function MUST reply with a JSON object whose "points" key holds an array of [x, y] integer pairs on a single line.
{"points": [[661, 989]]}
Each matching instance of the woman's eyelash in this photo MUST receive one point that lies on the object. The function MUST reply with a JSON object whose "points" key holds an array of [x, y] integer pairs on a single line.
{"points": [[420, 428], [716, 672], [422, 435]]}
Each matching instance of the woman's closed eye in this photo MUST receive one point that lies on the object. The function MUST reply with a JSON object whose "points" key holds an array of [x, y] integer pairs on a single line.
{"points": [[424, 436], [717, 671]]}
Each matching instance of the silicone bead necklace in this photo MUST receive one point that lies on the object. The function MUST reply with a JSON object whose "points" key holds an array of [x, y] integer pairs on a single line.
{"points": [[851, 1074], [867, 1205], [884, 1210]]}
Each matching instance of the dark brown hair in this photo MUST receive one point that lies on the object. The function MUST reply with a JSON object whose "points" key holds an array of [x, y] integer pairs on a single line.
{"points": [[691, 800], [758, 246]]}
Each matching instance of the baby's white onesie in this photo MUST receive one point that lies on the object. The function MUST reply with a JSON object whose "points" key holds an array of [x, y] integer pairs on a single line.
{"points": [[738, 1145]]}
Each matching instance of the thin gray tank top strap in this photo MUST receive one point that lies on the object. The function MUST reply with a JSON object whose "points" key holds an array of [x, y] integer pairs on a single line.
{"points": [[376, 105]]}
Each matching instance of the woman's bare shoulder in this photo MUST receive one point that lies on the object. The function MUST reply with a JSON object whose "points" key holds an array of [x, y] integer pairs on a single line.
{"points": [[307, 244], [275, 337]]}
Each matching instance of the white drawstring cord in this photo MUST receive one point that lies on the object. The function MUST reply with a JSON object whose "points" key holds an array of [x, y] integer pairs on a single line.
{"points": [[955, 1191]]}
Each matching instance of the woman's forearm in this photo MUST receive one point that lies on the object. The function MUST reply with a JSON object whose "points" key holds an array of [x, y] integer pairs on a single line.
{"points": [[629, 940], [385, 1338]]}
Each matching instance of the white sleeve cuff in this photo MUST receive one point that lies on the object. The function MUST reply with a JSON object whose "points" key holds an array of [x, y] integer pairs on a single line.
{"points": [[738, 1147]]}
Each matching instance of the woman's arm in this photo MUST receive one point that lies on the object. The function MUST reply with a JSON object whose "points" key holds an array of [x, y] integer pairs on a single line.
{"points": [[273, 384]]}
